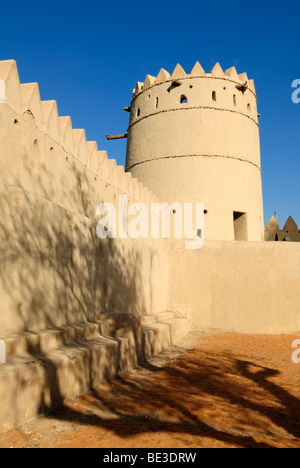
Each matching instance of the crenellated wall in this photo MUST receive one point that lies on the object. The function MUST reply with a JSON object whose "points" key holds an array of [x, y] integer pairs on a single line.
{"points": [[54, 270], [40, 148]]}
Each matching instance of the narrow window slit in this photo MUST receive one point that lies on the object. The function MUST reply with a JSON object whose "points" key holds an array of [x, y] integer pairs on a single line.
{"points": [[183, 99]]}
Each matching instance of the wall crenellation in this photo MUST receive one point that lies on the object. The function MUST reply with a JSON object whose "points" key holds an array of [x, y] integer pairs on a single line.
{"points": [[51, 182], [24, 100], [217, 90], [179, 74]]}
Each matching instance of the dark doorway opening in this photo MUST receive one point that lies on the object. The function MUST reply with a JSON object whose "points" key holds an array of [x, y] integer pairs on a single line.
{"points": [[240, 226]]}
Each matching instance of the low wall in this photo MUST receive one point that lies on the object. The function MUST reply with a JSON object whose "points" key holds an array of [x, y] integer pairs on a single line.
{"points": [[247, 287]]}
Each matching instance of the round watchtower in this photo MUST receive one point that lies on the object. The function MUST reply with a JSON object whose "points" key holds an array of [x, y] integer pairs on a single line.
{"points": [[195, 138]]}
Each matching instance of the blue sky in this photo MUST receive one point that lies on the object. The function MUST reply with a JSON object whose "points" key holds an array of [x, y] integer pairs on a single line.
{"points": [[88, 56]]}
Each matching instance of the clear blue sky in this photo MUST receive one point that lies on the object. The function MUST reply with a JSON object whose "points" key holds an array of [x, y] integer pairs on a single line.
{"points": [[88, 56]]}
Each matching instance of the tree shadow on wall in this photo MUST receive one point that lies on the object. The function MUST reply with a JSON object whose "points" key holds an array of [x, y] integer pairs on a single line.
{"points": [[54, 270], [199, 397], [54, 267]]}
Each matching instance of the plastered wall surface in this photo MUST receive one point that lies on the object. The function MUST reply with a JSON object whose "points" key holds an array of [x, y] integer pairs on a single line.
{"points": [[245, 287]]}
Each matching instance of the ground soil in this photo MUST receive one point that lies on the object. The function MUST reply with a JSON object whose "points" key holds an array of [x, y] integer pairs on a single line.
{"points": [[212, 390]]}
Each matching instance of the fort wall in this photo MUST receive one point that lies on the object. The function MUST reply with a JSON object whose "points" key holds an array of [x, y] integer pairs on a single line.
{"points": [[54, 270], [76, 310]]}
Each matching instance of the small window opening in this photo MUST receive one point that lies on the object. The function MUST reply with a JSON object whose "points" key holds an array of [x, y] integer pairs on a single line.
{"points": [[183, 99], [249, 107], [156, 103], [214, 96], [138, 112], [234, 100]]}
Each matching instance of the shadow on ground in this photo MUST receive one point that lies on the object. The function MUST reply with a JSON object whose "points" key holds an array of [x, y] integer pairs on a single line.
{"points": [[200, 398]]}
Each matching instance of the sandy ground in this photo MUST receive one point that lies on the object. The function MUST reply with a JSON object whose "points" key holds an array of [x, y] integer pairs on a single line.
{"points": [[216, 390]]}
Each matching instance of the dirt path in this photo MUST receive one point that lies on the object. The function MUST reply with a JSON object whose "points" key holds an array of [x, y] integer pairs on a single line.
{"points": [[224, 390]]}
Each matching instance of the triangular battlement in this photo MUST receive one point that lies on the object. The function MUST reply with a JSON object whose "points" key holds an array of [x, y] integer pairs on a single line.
{"points": [[25, 101], [198, 71]]}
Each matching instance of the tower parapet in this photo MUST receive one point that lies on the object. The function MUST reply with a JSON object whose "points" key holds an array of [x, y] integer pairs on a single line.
{"points": [[195, 138]]}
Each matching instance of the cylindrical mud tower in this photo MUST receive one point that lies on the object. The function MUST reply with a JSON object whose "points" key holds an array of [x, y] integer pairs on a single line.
{"points": [[195, 138]]}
